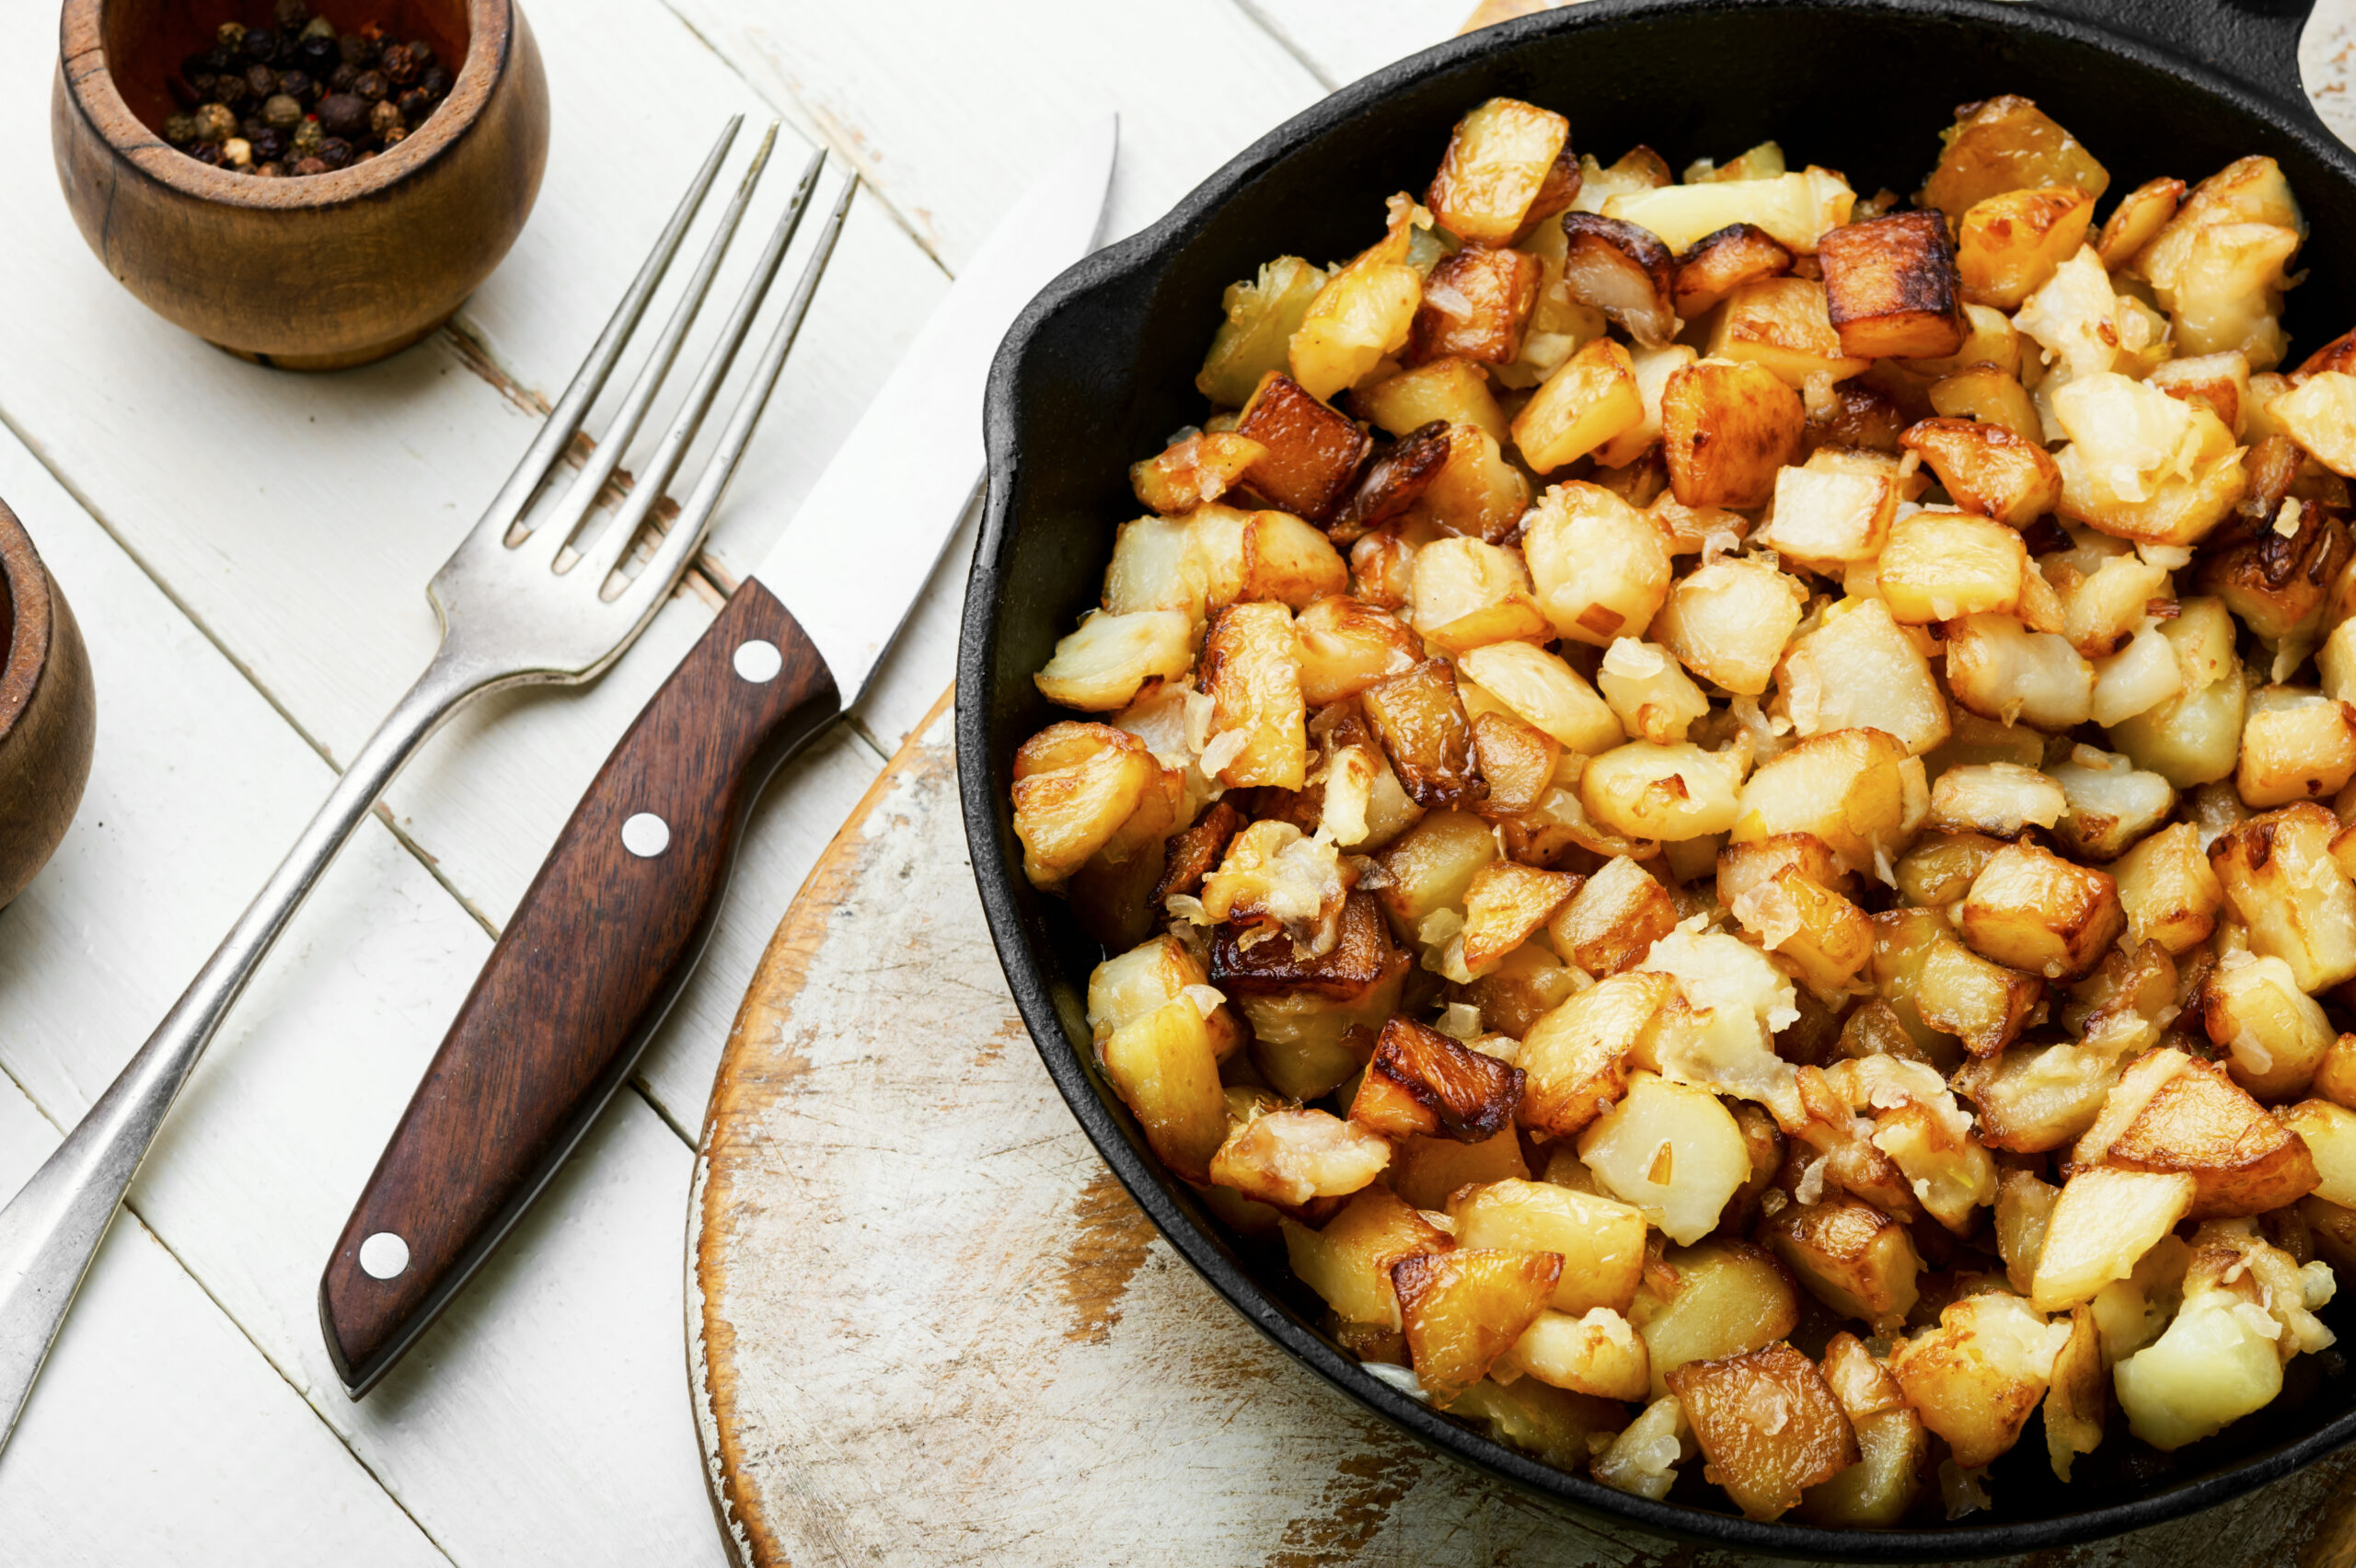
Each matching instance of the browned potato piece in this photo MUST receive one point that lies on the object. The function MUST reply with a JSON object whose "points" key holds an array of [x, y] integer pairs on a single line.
{"points": [[1393, 482], [1892, 288], [1742, 867], [1476, 492], [2329, 1131], [1592, 397], [1857, 668], [2173, 1113], [1431, 866], [1893, 1447], [1600, 567], [1601, 1240], [2277, 583], [1528, 984], [1464, 1308], [1465, 595], [2010, 244], [1726, 428], [1984, 1005], [1505, 904], [1347, 645], [1361, 958], [1976, 1378], [2141, 215], [2032, 910], [2033, 1097], [2270, 1035], [1827, 937], [2007, 143], [1938, 871], [1856, 790], [1713, 1299], [1593, 1353], [1312, 453], [1469, 1095], [1939, 566], [1496, 168], [1289, 1159], [1851, 1256], [1834, 509], [2279, 875], [1563, 1428], [1075, 787], [1347, 1264], [1783, 325], [1518, 762], [1576, 1056], [1612, 920], [1990, 396], [1622, 271], [2335, 1078], [1196, 471], [2297, 745], [1251, 668], [1421, 722], [2102, 1222], [1262, 313], [1163, 1067], [1451, 391], [1722, 262], [2220, 383], [1429, 1169], [1769, 1425], [1730, 622], [1476, 304], [1989, 469]]}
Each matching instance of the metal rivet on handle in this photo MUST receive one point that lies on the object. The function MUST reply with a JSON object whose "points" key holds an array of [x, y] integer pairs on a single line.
{"points": [[646, 836], [384, 1256], [758, 662]]}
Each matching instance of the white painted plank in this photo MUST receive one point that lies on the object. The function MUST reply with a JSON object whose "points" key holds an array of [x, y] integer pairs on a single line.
{"points": [[158, 1433], [542, 1419], [1345, 42]]}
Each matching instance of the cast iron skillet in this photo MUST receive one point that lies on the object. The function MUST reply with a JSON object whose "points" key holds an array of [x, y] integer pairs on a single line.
{"points": [[1100, 369]]}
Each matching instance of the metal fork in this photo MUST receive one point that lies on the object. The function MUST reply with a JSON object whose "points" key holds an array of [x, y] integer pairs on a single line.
{"points": [[513, 612]]}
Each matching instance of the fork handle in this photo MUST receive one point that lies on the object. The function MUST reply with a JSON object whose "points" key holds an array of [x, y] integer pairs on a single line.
{"points": [[580, 979]]}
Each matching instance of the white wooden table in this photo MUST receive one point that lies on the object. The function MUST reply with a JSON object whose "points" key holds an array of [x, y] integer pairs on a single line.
{"points": [[246, 551]]}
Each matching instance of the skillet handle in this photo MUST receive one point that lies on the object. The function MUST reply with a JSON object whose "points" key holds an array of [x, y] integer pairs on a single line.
{"points": [[2255, 42]]}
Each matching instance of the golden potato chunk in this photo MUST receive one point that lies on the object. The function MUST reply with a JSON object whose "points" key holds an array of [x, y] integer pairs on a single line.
{"points": [[1670, 1150], [1721, 262], [1428, 1170], [2328, 1132], [1988, 470], [1600, 566], [2100, 1226], [1650, 691], [2031, 909], [1834, 509], [2078, 1396], [1362, 316], [1285, 1158], [2001, 670], [1601, 1241], [1431, 865], [1891, 287], [1593, 1353], [2172, 1114], [2007, 143], [1613, 918], [1261, 314], [1465, 593], [2278, 874], [1476, 305], [1671, 792], [1856, 669], [1851, 1256], [1542, 690], [1194, 471], [1250, 670], [1893, 1447], [2010, 244], [1725, 429], [1505, 904], [1795, 209], [1939, 566], [1464, 1308], [1784, 326], [1498, 163], [1075, 787], [1768, 1424], [1518, 762], [1576, 1057], [1622, 271], [1312, 454], [1348, 1261], [1857, 791], [1982, 1004], [1101, 667], [1976, 1377], [1703, 1303], [2297, 745], [1163, 1067], [1392, 485], [1421, 722], [1586, 402], [1446, 391], [2273, 1035], [1827, 937], [1461, 1093], [1347, 645], [2137, 220], [1730, 622]]}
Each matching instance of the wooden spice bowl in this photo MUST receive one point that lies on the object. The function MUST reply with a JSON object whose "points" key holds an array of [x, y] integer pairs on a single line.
{"points": [[49, 715], [317, 273]]}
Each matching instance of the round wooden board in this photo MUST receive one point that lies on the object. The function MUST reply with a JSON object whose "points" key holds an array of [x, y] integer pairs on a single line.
{"points": [[926, 1325]]}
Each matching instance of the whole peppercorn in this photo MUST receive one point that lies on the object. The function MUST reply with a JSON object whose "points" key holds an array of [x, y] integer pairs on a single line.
{"points": [[336, 152], [436, 80], [298, 85], [359, 51], [290, 14], [399, 66], [230, 36], [229, 90], [180, 130], [339, 80], [214, 124], [306, 141], [416, 104], [238, 153], [423, 52], [261, 44], [341, 114], [372, 86], [270, 146], [309, 165], [201, 86], [394, 138], [282, 112], [384, 119], [260, 81], [252, 126], [206, 152]]}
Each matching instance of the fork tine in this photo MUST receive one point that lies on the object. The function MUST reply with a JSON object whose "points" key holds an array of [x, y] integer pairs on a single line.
{"points": [[607, 550], [564, 421], [579, 500], [695, 515]]}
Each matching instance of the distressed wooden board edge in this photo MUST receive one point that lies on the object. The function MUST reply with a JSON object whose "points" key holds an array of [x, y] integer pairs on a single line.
{"points": [[740, 1091]]}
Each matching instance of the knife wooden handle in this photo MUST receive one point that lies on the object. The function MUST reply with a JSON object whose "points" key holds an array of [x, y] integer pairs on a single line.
{"points": [[607, 934]]}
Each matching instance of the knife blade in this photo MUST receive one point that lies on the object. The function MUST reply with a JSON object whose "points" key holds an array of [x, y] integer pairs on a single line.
{"points": [[620, 912]]}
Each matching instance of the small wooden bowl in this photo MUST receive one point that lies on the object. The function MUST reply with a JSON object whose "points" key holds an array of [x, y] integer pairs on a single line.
{"points": [[312, 274], [49, 715]]}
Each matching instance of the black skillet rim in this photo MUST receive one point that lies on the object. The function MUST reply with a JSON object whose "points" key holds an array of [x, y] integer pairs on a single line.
{"points": [[993, 871]]}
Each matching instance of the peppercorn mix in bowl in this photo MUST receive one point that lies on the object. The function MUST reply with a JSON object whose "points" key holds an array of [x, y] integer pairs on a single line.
{"points": [[169, 119], [1718, 803]]}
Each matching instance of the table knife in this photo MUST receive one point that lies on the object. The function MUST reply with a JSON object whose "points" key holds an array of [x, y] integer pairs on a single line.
{"points": [[614, 923]]}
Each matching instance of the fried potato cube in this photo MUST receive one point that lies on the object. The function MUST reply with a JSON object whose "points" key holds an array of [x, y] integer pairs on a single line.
{"points": [[1849, 1255], [1312, 453], [1362, 315], [1128, 986], [1984, 1005], [1158, 564], [1075, 787], [1347, 645], [1622, 271], [1857, 669], [2171, 1114], [1654, 696], [1518, 762], [1465, 593], [1730, 622], [2297, 745], [1347, 1262], [1449, 391], [1893, 1447], [1470, 1096], [1429, 1169], [2141, 465], [1476, 492], [2009, 245], [1833, 509], [1891, 287], [1722, 262], [2194, 737], [1288, 1158], [2329, 1131], [1742, 867], [1464, 1308], [1563, 1428], [2078, 1395], [1795, 209], [1988, 470], [1768, 1424], [2213, 1365], [1497, 162], [1100, 668], [2335, 1078], [2103, 1222], [1194, 471], [1939, 566], [1999, 799], [1590, 399], [1306, 1043], [1827, 937], [1976, 1377], [1423, 727], [1784, 326], [1431, 866], [1527, 984], [1668, 792], [1612, 920], [2141, 215], [1593, 1353], [2219, 383], [1262, 313], [2001, 670], [1703, 1303], [2031, 909], [2024, 1208], [1251, 557], [1856, 790], [2279, 875], [1990, 396], [1653, 367], [2320, 415], [1475, 306], [1671, 1150], [2033, 1097], [1576, 1057], [1601, 1241], [1643, 1459], [1542, 690], [1391, 486], [1250, 670], [1164, 1070], [2007, 143], [1938, 871], [1600, 566], [2111, 804], [2273, 1035], [2104, 607], [2278, 584], [1725, 429], [1505, 904]]}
